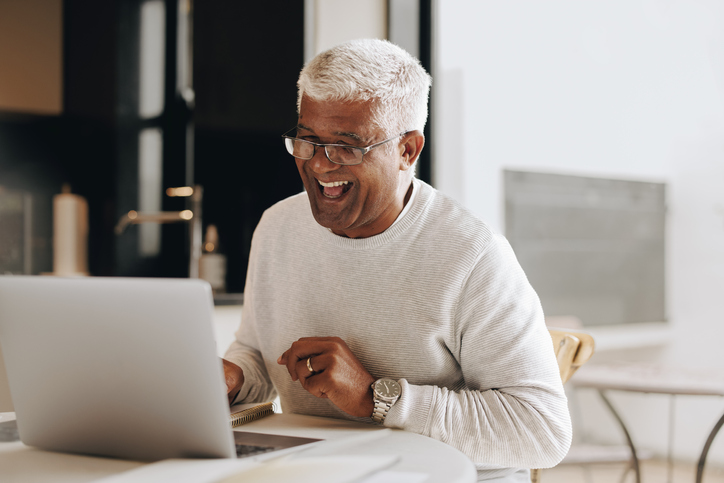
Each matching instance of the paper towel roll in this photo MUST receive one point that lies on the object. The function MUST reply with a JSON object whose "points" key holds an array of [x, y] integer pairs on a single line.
{"points": [[70, 234]]}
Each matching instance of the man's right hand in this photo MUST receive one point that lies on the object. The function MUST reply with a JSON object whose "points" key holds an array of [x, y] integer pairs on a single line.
{"points": [[234, 377]]}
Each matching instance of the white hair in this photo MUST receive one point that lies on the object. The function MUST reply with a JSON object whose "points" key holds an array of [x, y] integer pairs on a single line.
{"points": [[371, 70]]}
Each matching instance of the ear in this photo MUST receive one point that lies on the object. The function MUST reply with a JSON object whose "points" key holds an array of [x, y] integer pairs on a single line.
{"points": [[410, 146]]}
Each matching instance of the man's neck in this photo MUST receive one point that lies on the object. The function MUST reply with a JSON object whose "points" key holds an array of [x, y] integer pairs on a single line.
{"points": [[405, 201]]}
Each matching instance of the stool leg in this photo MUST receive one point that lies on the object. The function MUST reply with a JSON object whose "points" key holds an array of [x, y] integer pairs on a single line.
{"points": [[670, 448], [705, 451], [625, 472], [634, 458]]}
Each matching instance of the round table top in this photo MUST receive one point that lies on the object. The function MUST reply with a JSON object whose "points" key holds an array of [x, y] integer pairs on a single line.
{"points": [[650, 378], [417, 456]]}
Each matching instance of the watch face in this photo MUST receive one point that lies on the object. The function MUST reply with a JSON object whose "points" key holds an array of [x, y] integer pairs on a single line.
{"points": [[387, 388]]}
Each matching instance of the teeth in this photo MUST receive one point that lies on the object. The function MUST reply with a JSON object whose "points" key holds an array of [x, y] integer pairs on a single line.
{"points": [[333, 183]]}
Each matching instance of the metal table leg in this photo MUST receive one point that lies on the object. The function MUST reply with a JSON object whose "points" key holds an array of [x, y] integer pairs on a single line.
{"points": [[634, 457], [670, 448], [705, 451]]}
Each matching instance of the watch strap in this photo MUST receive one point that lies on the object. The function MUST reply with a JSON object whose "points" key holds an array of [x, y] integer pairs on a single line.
{"points": [[380, 412]]}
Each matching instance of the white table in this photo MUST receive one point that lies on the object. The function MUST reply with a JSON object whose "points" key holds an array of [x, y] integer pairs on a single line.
{"points": [[418, 454], [651, 378]]}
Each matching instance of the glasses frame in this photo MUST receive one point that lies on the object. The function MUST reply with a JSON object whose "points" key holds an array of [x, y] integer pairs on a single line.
{"points": [[363, 149]]}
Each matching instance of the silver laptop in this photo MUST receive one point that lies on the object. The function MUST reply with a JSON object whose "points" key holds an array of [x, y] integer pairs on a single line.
{"points": [[119, 367]]}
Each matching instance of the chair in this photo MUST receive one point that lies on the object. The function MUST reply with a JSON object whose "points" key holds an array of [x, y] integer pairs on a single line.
{"points": [[572, 348]]}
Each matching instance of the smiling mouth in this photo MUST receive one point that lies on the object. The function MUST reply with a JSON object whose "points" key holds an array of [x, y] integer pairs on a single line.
{"points": [[334, 189]]}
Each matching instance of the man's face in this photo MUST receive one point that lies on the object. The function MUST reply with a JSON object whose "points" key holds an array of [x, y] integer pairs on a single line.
{"points": [[373, 195]]}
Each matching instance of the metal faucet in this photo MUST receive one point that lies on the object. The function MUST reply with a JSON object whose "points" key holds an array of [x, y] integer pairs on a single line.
{"points": [[193, 216]]}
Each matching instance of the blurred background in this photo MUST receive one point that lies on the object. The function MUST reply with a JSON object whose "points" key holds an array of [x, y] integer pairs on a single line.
{"points": [[590, 133]]}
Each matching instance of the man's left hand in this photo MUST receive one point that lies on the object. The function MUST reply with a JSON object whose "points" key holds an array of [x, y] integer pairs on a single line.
{"points": [[338, 375]]}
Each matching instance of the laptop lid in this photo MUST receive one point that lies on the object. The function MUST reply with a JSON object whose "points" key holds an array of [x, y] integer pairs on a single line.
{"points": [[121, 367]]}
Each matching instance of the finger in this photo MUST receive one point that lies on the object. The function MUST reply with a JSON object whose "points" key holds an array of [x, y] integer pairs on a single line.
{"points": [[284, 360], [234, 379], [317, 384], [316, 380], [299, 351], [302, 370], [308, 367]]}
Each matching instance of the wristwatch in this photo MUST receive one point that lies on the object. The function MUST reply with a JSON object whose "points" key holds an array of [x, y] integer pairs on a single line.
{"points": [[385, 392]]}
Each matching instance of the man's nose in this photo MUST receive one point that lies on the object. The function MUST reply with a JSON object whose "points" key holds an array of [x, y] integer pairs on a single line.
{"points": [[320, 163]]}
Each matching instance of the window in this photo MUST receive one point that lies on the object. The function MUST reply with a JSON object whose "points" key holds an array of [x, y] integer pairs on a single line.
{"points": [[591, 247]]}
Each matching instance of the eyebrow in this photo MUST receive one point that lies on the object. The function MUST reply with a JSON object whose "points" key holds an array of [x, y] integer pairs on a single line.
{"points": [[345, 134]]}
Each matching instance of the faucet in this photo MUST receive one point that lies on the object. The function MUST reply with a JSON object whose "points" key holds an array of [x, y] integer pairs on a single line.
{"points": [[193, 216]]}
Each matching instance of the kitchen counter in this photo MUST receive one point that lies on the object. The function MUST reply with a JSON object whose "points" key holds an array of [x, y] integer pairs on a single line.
{"points": [[228, 299]]}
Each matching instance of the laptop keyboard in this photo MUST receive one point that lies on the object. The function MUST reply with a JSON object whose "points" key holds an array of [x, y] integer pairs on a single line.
{"points": [[9, 431], [249, 443], [245, 450]]}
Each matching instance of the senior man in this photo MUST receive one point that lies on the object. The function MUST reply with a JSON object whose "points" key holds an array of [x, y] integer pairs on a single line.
{"points": [[373, 297]]}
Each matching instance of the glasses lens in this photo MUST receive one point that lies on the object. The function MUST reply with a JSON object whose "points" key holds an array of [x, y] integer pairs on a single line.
{"points": [[299, 149], [344, 155]]}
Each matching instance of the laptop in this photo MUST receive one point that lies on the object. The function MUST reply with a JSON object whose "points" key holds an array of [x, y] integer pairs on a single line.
{"points": [[120, 367]]}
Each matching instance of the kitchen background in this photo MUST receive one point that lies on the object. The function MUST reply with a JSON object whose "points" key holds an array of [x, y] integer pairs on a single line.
{"points": [[586, 98], [132, 93]]}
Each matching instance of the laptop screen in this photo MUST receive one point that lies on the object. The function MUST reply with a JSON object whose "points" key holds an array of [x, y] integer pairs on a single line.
{"points": [[120, 367]]}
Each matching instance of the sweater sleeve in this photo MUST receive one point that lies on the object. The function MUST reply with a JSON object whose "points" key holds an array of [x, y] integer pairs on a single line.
{"points": [[513, 411], [244, 351]]}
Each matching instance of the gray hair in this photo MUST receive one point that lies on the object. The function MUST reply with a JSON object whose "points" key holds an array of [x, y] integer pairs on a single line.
{"points": [[371, 70]]}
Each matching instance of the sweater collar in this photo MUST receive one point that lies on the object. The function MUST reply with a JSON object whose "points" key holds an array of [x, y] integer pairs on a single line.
{"points": [[422, 193]]}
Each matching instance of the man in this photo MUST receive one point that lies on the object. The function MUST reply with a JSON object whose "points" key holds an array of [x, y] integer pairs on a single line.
{"points": [[372, 277]]}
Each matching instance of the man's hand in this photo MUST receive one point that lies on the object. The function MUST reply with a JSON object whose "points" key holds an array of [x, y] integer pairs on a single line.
{"points": [[338, 375], [234, 377]]}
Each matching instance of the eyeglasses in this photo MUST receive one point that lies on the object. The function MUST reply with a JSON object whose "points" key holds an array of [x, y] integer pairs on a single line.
{"points": [[343, 154]]}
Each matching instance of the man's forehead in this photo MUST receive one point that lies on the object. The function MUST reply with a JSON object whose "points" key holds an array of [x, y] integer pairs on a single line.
{"points": [[350, 119], [347, 134]]}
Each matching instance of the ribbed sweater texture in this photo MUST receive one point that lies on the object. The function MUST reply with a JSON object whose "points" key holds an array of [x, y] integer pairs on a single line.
{"points": [[437, 301]]}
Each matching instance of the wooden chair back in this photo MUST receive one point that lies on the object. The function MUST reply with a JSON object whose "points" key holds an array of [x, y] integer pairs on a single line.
{"points": [[573, 348]]}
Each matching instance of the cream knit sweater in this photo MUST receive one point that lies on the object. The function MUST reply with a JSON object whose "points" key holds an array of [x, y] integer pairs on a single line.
{"points": [[437, 301]]}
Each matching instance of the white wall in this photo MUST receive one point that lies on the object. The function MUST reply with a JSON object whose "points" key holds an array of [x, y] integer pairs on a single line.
{"points": [[628, 89], [332, 22]]}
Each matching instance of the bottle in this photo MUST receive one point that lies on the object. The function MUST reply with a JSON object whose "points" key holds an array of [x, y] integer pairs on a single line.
{"points": [[212, 265], [70, 234]]}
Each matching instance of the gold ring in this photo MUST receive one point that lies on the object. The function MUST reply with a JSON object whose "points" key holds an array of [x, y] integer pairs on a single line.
{"points": [[309, 364]]}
